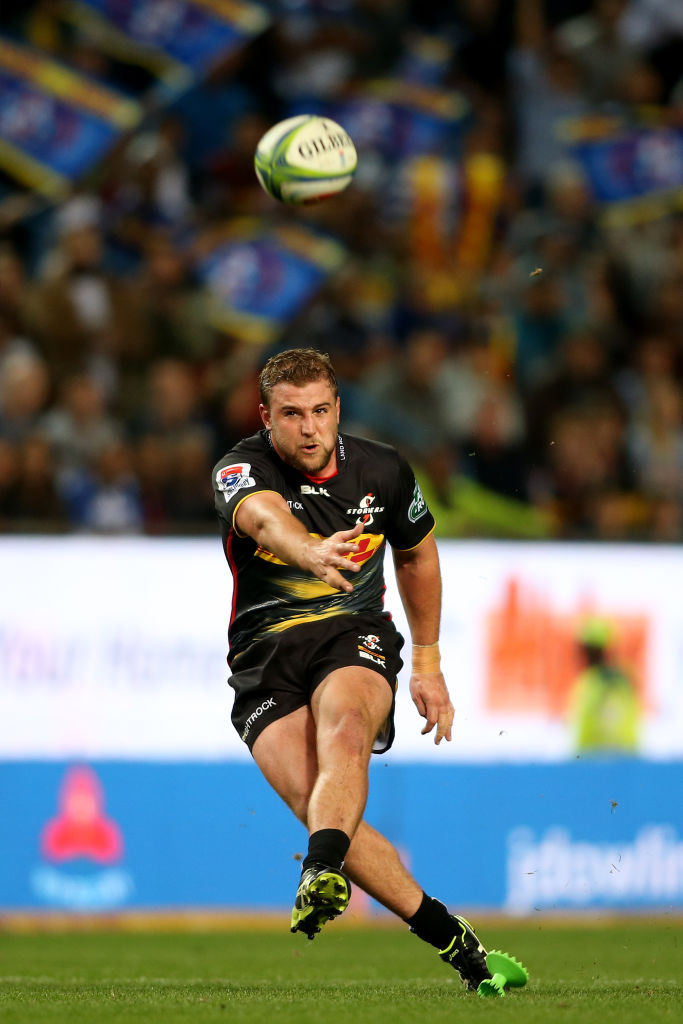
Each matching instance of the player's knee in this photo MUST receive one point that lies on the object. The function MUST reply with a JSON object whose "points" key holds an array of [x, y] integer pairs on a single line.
{"points": [[353, 731]]}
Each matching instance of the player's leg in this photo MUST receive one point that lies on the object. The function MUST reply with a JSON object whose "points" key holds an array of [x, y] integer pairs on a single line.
{"points": [[349, 707], [372, 862], [286, 754]]}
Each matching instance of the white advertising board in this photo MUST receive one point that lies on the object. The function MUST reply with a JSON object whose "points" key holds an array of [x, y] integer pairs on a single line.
{"points": [[116, 648]]}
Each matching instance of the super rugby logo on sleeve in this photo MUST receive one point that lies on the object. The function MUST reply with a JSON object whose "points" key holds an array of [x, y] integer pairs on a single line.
{"points": [[232, 479], [418, 505]]}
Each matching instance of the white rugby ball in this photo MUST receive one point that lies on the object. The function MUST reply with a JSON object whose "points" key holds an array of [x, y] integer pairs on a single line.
{"points": [[304, 159]]}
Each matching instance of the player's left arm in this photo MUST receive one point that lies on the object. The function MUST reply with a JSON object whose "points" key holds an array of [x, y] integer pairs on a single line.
{"points": [[419, 583]]}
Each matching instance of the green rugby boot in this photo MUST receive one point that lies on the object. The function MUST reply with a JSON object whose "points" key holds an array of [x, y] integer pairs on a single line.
{"points": [[323, 893], [466, 954]]}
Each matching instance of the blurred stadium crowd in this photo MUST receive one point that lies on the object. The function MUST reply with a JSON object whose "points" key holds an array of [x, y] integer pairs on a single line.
{"points": [[520, 338]]}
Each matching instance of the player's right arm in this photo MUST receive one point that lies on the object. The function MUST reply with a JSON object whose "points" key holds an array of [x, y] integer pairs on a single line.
{"points": [[267, 519]]}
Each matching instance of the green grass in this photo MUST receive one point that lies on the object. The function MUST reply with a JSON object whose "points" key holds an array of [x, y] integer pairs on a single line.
{"points": [[626, 972]]}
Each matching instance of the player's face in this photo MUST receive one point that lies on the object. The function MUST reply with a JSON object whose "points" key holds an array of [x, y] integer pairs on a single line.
{"points": [[303, 421]]}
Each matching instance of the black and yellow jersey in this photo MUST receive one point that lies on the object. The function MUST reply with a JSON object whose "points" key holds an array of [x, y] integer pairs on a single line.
{"points": [[374, 485]]}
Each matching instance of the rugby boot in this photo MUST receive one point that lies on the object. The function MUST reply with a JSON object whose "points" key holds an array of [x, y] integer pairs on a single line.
{"points": [[466, 953], [323, 893]]}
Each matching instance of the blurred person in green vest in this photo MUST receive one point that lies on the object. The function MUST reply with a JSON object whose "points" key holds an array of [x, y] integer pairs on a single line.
{"points": [[605, 708], [465, 508]]}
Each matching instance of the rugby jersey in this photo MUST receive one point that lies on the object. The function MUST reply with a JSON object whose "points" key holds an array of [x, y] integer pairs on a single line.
{"points": [[374, 485]]}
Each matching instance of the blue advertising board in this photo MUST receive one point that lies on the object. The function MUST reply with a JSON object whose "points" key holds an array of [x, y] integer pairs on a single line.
{"points": [[519, 838]]}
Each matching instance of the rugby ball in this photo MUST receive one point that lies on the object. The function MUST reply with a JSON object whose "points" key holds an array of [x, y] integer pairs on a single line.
{"points": [[305, 159]]}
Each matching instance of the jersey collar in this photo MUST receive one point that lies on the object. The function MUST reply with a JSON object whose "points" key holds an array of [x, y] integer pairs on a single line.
{"points": [[341, 459]]}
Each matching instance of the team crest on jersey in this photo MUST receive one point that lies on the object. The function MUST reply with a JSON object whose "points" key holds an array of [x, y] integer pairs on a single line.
{"points": [[231, 479], [365, 511]]}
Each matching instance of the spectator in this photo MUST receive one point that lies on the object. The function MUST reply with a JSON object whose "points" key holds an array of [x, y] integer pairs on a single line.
{"points": [[150, 188], [596, 39], [78, 427], [13, 292], [492, 453], [24, 391], [153, 471], [37, 504], [176, 306], [411, 385], [540, 324], [656, 442], [105, 497], [581, 381], [12, 346], [546, 90], [171, 410], [84, 316], [9, 475], [190, 496]]}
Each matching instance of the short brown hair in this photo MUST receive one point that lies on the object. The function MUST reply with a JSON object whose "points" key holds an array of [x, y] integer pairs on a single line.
{"points": [[296, 366]]}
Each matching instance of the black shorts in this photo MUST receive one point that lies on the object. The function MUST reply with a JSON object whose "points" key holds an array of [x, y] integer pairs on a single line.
{"points": [[277, 675]]}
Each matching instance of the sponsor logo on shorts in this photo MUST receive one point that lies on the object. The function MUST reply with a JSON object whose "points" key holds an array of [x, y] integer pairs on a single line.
{"points": [[371, 657], [366, 510], [369, 648], [255, 715], [418, 505], [232, 479]]}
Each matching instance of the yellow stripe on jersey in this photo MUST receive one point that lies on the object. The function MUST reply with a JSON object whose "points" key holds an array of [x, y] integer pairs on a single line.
{"points": [[306, 590], [297, 620], [264, 490], [368, 543], [415, 546]]}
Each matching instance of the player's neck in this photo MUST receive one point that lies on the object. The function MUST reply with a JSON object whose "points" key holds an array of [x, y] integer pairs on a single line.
{"points": [[330, 470]]}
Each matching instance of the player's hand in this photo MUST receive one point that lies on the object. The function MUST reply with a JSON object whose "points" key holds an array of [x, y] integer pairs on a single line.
{"points": [[430, 696], [329, 555]]}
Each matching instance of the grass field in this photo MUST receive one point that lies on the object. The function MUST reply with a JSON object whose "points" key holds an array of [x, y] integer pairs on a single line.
{"points": [[624, 972]]}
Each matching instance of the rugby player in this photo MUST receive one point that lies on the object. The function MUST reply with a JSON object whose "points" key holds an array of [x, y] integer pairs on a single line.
{"points": [[305, 514]]}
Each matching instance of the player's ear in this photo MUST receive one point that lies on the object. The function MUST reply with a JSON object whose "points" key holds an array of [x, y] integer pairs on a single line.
{"points": [[265, 415], [338, 406]]}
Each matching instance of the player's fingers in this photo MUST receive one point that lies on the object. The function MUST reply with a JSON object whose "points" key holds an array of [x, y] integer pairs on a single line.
{"points": [[420, 705], [336, 580], [346, 565], [350, 549], [345, 535], [443, 729], [429, 724]]}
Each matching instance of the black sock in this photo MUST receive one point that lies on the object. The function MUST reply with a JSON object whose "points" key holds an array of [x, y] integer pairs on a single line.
{"points": [[433, 923], [327, 846]]}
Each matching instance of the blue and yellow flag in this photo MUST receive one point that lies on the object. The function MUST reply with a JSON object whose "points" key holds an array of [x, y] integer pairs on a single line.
{"points": [[178, 41], [55, 124], [634, 172], [259, 276]]}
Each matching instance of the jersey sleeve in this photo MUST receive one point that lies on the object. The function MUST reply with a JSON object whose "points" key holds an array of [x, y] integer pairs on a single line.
{"points": [[237, 476], [411, 520]]}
